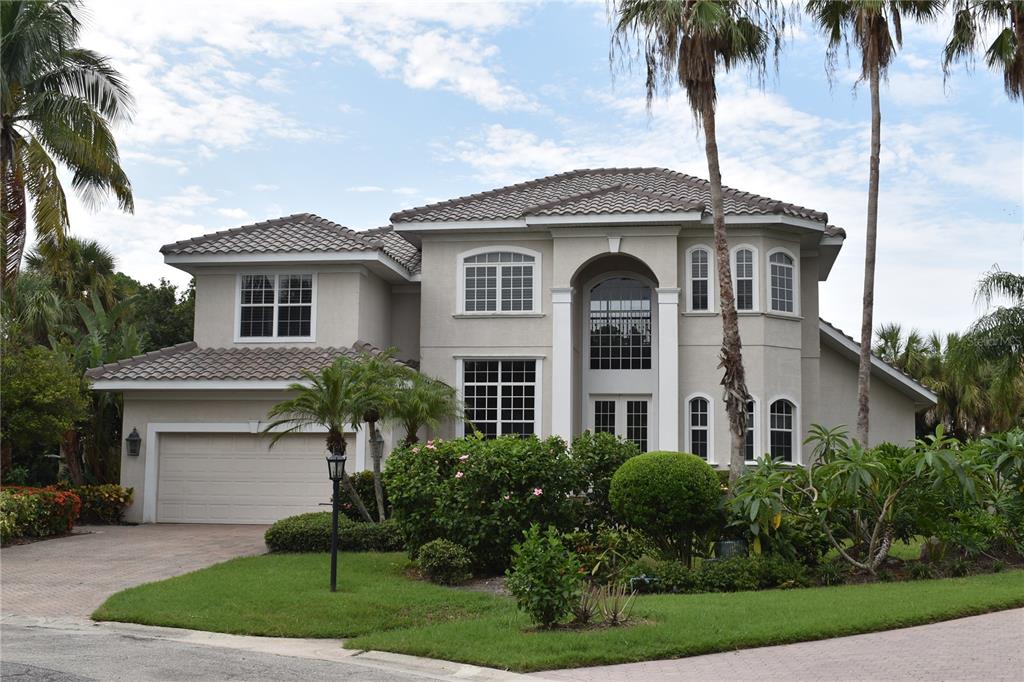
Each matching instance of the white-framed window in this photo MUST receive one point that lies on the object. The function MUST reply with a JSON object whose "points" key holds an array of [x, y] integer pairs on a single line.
{"points": [[782, 441], [501, 396], [636, 423], [752, 444], [604, 416], [621, 330], [744, 277], [698, 424], [499, 280], [276, 307], [782, 282], [625, 416], [698, 263]]}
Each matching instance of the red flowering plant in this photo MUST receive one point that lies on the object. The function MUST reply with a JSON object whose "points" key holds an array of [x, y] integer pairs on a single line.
{"points": [[37, 512]]}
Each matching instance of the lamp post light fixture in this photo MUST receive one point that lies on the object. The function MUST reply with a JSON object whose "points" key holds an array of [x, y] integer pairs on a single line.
{"points": [[336, 470], [134, 441]]}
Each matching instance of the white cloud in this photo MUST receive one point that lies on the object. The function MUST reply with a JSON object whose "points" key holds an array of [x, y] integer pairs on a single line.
{"points": [[260, 187], [143, 157], [236, 213], [365, 188]]}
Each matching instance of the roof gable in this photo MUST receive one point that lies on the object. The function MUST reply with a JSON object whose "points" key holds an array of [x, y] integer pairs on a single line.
{"points": [[627, 185]]}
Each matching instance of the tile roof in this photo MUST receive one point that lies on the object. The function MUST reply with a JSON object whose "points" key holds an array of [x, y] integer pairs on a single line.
{"points": [[517, 201], [188, 362], [620, 198], [299, 233]]}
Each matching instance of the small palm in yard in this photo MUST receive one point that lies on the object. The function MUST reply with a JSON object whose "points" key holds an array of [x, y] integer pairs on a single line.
{"points": [[876, 30], [424, 401], [333, 398]]}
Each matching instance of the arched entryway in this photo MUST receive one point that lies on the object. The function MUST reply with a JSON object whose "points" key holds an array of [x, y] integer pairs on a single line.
{"points": [[616, 324]]}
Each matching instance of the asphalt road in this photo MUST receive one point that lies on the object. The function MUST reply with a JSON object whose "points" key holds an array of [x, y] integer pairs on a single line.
{"points": [[73, 655]]}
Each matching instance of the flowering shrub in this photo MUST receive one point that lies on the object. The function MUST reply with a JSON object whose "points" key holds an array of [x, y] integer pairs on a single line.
{"points": [[103, 503], [37, 512], [598, 456], [480, 493]]}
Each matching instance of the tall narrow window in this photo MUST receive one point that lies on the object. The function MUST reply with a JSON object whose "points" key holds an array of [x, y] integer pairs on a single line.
{"points": [[501, 396], [620, 324], [744, 279], [700, 280], [604, 416], [636, 423], [499, 281], [699, 432], [781, 266], [275, 307], [780, 430], [750, 446]]}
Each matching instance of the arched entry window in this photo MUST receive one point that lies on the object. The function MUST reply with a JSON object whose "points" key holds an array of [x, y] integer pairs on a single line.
{"points": [[620, 324]]}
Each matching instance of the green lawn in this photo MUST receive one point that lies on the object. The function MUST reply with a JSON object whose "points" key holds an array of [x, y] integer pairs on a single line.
{"points": [[379, 608]]}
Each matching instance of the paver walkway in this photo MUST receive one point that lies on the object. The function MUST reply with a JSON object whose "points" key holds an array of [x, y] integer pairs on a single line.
{"points": [[987, 648], [72, 576]]}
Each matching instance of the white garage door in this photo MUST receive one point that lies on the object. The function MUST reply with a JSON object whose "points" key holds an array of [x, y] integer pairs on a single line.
{"points": [[237, 478]]}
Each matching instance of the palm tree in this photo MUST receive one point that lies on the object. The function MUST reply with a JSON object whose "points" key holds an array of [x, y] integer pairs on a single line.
{"points": [[424, 401], [1006, 51], [866, 24], [77, 268], [905, 353], [688, 41], [57, 105], [331, 398], [997, 337]]}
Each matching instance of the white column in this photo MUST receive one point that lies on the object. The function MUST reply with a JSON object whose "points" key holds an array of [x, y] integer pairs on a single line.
{"points": [[668, 369], [561, 362]]}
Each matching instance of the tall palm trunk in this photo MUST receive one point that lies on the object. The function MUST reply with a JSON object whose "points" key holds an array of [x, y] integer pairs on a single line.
{"points": [[734, 381], [866, 325]]}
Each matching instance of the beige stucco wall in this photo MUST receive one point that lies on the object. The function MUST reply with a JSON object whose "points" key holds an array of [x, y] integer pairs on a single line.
{"points": [[405, 320], [145, 408], [892, 413], [351, 304]]}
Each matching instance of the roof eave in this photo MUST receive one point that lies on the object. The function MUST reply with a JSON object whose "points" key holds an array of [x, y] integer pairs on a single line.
{"points": [[193, 384], [187, 261]]}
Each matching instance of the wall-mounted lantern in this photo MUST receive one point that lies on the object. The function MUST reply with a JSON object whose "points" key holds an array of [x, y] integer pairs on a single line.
{"points": [[134, 441]]}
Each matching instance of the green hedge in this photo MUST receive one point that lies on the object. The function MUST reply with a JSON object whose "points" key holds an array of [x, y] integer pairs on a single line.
{"points": [[312, 533], [445, 562], [103, 503], [723, 575]]}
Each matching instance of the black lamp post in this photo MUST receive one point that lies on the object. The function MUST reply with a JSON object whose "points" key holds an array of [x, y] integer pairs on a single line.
{"points": [[336, 470]]}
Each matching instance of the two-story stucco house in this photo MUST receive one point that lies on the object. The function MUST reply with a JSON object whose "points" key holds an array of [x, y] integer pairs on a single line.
{"points": [[585, 300]]}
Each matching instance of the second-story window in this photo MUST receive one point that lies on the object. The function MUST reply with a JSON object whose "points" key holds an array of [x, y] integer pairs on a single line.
{"points": [[498, 281], [744, 279], [275, 306], [781, 270], [700, 279], [620, 324]]}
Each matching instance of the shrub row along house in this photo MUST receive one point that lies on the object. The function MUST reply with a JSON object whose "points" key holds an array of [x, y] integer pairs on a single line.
{"points": [[584, 300]]}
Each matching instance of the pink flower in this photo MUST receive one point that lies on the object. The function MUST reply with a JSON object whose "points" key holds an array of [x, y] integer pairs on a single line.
{"points": [[463, 458], [537, 492], [430, 446], [459, 474], [507, 496], [415, 450]]}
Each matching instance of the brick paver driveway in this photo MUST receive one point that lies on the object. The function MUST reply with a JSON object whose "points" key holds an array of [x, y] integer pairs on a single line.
{"points": [[72, 576]]}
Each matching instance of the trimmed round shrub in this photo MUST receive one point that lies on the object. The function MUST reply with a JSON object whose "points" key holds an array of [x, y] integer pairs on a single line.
{"points": [[668, 496], [545, 578], [445, 562], [480, 493], [312, 533]]}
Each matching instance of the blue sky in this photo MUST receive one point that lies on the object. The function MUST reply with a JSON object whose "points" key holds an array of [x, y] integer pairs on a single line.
{"points": [[251, 110]]}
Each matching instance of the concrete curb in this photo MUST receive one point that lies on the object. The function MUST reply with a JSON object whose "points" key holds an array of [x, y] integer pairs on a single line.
{"points": [[320, 649]]}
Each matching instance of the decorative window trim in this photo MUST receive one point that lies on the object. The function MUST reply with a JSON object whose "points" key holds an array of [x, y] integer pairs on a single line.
{"points": [[538, 410], [797, 444], [758, 440], [711, 425], [276, 275], [712, 280], [755, 256], [796, 283], [460, 284]]}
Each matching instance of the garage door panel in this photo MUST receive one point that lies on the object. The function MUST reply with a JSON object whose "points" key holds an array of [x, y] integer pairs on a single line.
{"points": [[237, 478]]}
